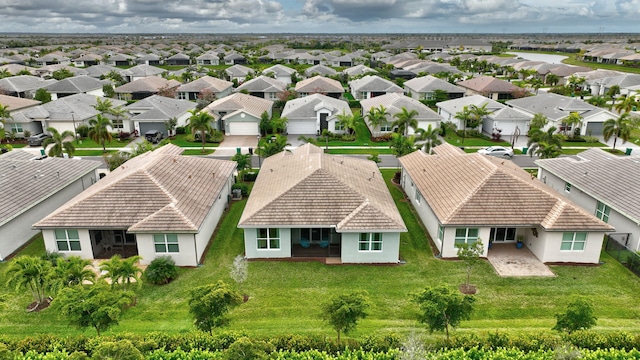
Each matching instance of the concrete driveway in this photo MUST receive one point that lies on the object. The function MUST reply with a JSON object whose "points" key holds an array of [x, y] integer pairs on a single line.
{"points": [[508, 261], [229, 145]]}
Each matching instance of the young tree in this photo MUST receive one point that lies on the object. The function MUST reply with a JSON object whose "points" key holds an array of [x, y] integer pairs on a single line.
{"points": [[72, 271], [478, 113], [278, 124], [200, 121], [377, 117], [428, 139], [61, 143], [401, 145], [272, 147], [94, 306], [572, 120], [545, 144], [265, 124], [405, 119], [243, 163], [104, 107], [28, 272], [465, 115], [170, 125], [122, 271], [42, 95], [348, 122], [99, 131], [61, 74], [441, 308], [239, 270], [342, 312], [619, 128], [579, 316], [209, 305], [626, 104], [470, 256]]}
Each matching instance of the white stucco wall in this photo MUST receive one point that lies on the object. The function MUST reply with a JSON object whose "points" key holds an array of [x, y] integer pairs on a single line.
{"points": [[186, 245], [425, 213], [549, 249], [212, 219], [390, 249], [86, 250], [251, 245]]}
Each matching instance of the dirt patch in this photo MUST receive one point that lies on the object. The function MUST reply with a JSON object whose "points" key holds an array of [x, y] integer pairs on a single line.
{"points": [[467, 290], [35, 307]]}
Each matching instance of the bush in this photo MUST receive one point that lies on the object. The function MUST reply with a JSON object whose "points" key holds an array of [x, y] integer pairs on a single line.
{"points": [[26, 133], [250, 176], [576, 139], [83, 131], [181, 130], [591, 139], [124, 136], [382, 138], [246, 349], [162, 270], [121, 350], [244, 188]]}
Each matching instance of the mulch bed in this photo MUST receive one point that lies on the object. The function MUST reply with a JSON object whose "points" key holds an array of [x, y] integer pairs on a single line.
{"points": [[467, 290]]}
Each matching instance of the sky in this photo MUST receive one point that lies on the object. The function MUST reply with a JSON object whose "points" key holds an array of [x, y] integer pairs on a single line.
{"points": [[320, 16]]}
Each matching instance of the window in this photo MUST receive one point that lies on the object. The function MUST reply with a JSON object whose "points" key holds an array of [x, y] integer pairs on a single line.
{"points": [[573, 241], [502, 234], [67, 240], [339, 126], [268, 238], [166, 243], [183, 96], [602, 212], [567, 187], [418, 196], [466, 235], [117, 124], [385, 126], [440, 232], [17, 128], [370, 242]]}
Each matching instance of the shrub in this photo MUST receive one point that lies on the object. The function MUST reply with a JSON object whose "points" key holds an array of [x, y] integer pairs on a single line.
{"points": [[246, 349], [124, 136], [576, 139], [181, 130], [382, 138], [26, 133], [162, 270], [122, 350], [250, 176], [244, 188], [591, 139], [83, 131]]}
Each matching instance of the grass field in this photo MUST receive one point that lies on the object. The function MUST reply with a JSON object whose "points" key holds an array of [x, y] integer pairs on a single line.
{"points": [[87, 143], [285, 297], [363, 151], [97, 152], [181, 140]]}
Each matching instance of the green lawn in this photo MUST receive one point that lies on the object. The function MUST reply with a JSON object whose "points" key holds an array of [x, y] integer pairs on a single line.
{"points": [[87, 143], [582, 144], [360, 151], [285, 296], [197, 151], [181, 140], [97, 152], [454, 139]]}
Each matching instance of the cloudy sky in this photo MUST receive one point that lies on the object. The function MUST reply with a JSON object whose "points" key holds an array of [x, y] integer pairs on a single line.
{"points": [[319, 16]]}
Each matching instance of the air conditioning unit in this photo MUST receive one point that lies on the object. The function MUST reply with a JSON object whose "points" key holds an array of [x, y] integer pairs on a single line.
{"points": [[236, 194]]}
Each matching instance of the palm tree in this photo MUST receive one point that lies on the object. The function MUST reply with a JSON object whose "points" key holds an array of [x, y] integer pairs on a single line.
{"points": [[571, 121], [73, 271], [200, 122], [478, 113], [627, 104], [619, 128], [61, 143], [377, 117], [465, 116], [4, 115], [31, 273], [546, 144], [404, 120], [402, 145], [348, 122], [112, 269], [104, 107], [272, 147], [130, 272], [99, 131], [243, 163], [552, 79], [428, 138]]}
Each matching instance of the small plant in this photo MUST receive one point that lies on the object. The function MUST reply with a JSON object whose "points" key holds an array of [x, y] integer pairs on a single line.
{"points": [[244, 188], [240, 272], [579, 316], [162, 270], [26, 133], [82, 131]]}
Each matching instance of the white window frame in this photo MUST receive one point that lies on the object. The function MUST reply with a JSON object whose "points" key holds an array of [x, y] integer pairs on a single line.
{"points": [[603, 211], [573, 241], [386, 126], [183, 95], [68, 237], [117, 124], [16, 127], [168, 242], [370, 242], [271, 239], [418, 197], [467, 237]]}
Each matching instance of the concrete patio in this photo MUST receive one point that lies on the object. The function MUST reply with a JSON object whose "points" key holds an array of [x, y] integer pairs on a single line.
{"points": [[509, 261]]}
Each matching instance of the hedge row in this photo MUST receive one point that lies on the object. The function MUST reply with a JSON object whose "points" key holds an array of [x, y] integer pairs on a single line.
{"points": [[146, 344]]}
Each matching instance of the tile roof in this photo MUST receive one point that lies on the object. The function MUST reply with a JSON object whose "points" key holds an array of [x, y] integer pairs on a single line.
{"points": [[238, 70], [158, 107], [556, 107], [143, 70], [69, 108], [26, 182], [608, 178], [374, 83], [455, 105], [150, 84], [320, 70], [262, 84], [75, 85], [430, 83], [206, 82], [14, 103], [319, 84], [158, 191], [309, 188], [473, 189], [239, 101], [279, 70], [358, 70], [23, 83], [394, 103], [308, 106], [488, 84]]}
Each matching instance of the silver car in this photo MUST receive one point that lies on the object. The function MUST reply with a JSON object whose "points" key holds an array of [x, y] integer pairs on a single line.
{"points": [[499, 151], [37, 139]]}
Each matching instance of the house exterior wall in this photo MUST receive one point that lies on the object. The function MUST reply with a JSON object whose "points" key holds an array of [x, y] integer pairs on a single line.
{"points": [[63, 126], [548, 250], [245, 119], [212, 219], [186, 245], [86, 248], [251, 245], [390, 252], [423, 209]]}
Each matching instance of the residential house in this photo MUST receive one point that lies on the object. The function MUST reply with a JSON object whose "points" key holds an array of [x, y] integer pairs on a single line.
{"points": [[263, 87], [23, 86], [12, 125], [394, 103], [121, 60], [359, 70], [145, 87], [238, 73], [206, 84], [141, 71], [152, 112], [53, 59], [239, 114], [234, 59], [557, 107], [321, 70], [101, 71], [309, 204], [370, 86], [208, 58], [178, 59], [426, 87], [33, 187], [314, 113], [602, 184], [149, 59], [490, 87], [464, 198], [15, 69], [627, 83], [48, 70], [319, 85], [76, 85], [157, 204], [87, 60], [280, 72]]}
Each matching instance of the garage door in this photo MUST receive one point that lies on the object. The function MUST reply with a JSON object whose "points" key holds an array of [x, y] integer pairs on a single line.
{"points": [[146, 126], [243, 128], [301, 127], [594, 128]]}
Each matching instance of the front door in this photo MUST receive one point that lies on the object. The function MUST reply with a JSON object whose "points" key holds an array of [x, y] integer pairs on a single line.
{"points": [[502, 235], [324, 124]]}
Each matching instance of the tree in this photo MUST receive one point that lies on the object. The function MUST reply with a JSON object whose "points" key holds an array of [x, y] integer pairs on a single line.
{"points": [[278, 124], [627, 104], [239, 270], [28, 272], [94, 306], [209, 305], [162, 270], [619, 128], [348, 122], [441, 308], [61, 74], [539, 121], [552, 79], [243, 162], [72, 271], [465, 116], [121, 271], [428, 138], [4, 114], [470, 256], [579, 316], [108, 91], [613, 91], [170, 125], [440, 95], [265, 123], [545, 144], [272, 146], [42, 95], [572, 120], [99, 130], [200, 121], [61, 143], [377, 117], [342, 312], [478, 113], [405, 119], [401, 145], [104, 107]]}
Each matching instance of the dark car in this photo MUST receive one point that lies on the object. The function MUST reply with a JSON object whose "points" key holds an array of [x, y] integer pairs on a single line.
{"points": [[153, 136], [37, 139]]}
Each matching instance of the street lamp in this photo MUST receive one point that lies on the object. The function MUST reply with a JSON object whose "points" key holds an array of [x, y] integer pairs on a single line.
{"points": [[259, 157], [75, 131]]}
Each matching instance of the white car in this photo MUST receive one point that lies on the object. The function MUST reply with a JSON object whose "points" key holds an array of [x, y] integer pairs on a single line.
{"points": [[499, 151]]}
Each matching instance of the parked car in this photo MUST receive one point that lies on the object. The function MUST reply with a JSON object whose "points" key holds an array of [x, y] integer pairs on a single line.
{"points": [[37, 139], [153, 136], [499, 151]]}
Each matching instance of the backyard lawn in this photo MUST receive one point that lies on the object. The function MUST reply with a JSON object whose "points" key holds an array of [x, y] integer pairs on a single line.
{"points": [[285, 297]]}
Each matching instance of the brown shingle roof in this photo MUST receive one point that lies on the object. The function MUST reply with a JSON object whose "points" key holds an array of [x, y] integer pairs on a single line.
{"points": [[156, 191], [307, 188], [473, 189]]}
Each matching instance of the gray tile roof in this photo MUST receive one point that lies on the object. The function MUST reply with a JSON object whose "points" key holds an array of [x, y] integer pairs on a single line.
{"points": [[80, 105], [358, 70], [279, 70], [158, 191], [151, 84], [474, 189], [143, 70], [320, 70], [430, 83], [309, 188], [22, 83], [374, 83], [160, 108], [319, 84], [488, 84], [26, 182], [262, 84], [455, 105], [238, 70], [206, 83], [556, 107], [608, 178], [75, 85], [307, 107], [239, 101]]}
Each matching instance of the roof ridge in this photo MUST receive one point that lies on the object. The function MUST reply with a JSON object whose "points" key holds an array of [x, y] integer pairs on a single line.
{"points": [[351, 215], [475, 191]]}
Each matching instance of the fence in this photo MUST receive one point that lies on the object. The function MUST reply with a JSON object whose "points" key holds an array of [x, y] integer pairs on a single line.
{"points": [[616, 247]]}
